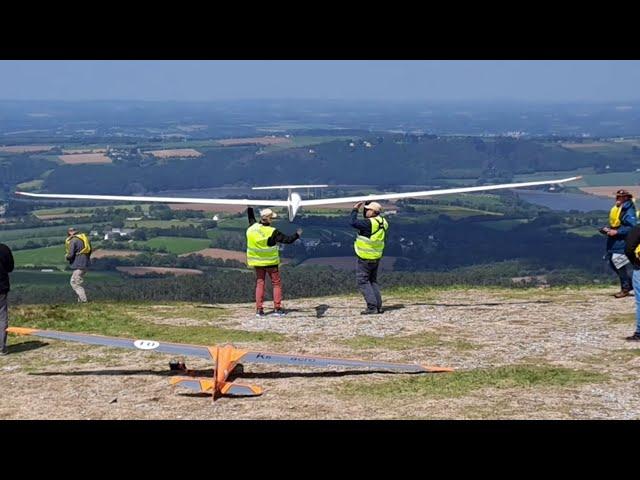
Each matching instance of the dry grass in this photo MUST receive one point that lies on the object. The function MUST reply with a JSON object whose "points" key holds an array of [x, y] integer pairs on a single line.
{"points": [[79, 158]]}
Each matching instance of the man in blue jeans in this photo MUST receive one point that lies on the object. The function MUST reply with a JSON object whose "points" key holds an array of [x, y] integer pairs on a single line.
{"points": [[632, 251]]}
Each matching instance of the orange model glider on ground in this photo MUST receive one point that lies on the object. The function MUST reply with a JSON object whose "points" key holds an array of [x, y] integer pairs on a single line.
{"points": [[225, 359]]}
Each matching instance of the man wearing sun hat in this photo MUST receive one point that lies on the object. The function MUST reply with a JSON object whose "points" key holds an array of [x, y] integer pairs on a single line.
{"points": [[369, 247], [264, 256], [622, 218], [78, 254]]}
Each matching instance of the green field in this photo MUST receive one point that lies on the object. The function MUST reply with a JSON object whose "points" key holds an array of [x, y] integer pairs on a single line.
{"points": [[160, 223], [62, 210], [585, 231], [454, 212], [41, 257], [56, 278], [177, 245], [39, 232], [504, 225], [20, 243]]}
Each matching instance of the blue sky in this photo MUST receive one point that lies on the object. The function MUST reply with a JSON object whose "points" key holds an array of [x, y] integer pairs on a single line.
{"points": [[525, 80]]}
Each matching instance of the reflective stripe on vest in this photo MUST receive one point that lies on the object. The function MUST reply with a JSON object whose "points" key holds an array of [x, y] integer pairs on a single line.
{"points": [[259, 254], [372, 248], [86, 244]]}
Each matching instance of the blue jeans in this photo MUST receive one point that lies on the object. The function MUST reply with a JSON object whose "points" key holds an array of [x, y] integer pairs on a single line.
{"points": [[636, 287], [624, 274]]}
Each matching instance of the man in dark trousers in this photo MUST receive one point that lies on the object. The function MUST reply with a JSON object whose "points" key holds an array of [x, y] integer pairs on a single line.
{"points": [[632, 251], [369, 247], [622, 218], [6, 267], [264, 256]]}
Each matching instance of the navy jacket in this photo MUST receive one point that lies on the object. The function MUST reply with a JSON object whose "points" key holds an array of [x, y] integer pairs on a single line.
{"points": [[363, 226], [6, 267], [628, 220]]}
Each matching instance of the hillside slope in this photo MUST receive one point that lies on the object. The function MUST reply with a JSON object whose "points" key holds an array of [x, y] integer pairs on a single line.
{"points": [[550, 353]]}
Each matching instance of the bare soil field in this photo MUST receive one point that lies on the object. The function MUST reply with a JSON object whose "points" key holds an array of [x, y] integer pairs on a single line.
{"points": [[176, 152], [26, 148], [78, 158], [609, 192], [517, 354], [144, 270]]}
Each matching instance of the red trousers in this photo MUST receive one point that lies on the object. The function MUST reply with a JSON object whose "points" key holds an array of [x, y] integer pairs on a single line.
{"points": [[274, 274]]}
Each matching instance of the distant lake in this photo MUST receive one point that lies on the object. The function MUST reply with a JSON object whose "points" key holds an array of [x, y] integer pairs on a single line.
{"points": [[565, 201]]}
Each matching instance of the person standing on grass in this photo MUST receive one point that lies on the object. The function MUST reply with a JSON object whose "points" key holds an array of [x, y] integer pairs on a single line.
{"points": [[78, 254], [263, 255], [6, 267]]}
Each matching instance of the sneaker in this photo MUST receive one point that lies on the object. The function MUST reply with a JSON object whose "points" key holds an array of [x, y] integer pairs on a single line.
{"points": [[622, 294], [380, 311], [260, 312], [5, 351], [369, 311], [278, 312], [634, 338]]}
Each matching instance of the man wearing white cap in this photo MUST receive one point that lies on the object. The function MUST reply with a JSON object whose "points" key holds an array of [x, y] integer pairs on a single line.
{"points": [[369, 247], [264, 256]]}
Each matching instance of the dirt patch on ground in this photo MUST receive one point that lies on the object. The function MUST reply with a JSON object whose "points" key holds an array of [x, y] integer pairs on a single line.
{"points": [[470, 330], [135, 271], [254, 141], [78, 158], [177, 152]]}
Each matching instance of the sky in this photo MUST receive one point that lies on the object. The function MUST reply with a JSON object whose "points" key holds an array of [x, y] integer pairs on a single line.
{"points": [[204, 80]]}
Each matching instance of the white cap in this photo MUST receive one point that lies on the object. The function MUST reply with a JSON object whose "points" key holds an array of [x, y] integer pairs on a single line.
{"points": [[375, 206], [267, 212]]}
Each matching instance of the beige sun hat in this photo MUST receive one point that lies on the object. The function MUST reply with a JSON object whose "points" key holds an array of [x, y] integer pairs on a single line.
{"points": [[267, 212]]}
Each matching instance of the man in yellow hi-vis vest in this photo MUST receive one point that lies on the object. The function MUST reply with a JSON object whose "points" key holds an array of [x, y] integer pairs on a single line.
{"points": [[264, 256], [78, 254], [622, 218], [369, 247]]}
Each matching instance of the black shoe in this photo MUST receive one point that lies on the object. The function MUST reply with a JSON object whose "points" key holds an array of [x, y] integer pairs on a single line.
{"points": [[369, 311], [260, 312], [634, 338], [278, 312], [4, 351], [622, 294], [380, 311]]}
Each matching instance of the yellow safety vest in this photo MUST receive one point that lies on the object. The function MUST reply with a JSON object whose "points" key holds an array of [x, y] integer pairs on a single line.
{"points": [[614, 215], [86, 249], [638, 252], [371, 248], [259, 254]]}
